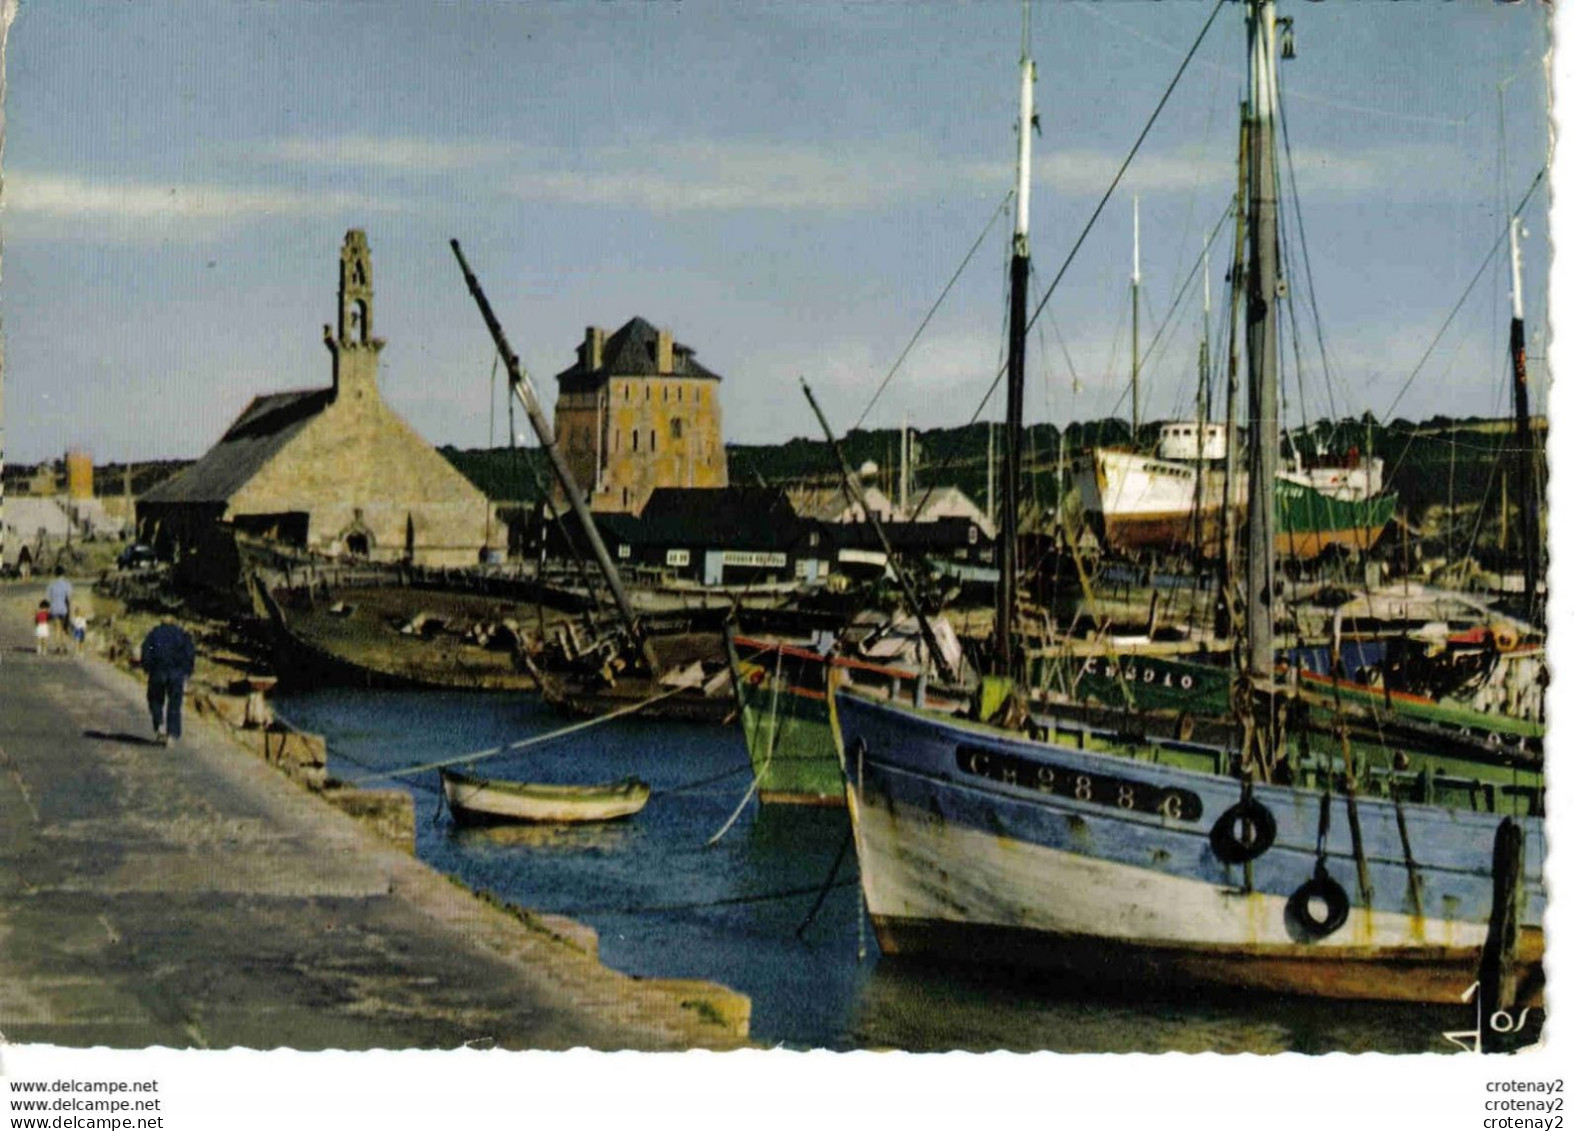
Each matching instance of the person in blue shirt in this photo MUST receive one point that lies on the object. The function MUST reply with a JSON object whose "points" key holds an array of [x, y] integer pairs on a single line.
{"points": [[59, 595], [168, 656]]}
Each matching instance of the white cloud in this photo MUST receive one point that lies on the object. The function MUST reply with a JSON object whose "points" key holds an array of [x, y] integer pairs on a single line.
{"points": [[57, 205], [394, 154], [1415, 171], [1087, 172], [719, 176]]}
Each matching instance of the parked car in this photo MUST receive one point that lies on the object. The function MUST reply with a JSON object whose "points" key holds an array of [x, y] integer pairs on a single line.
{"points": [[138, 555]]}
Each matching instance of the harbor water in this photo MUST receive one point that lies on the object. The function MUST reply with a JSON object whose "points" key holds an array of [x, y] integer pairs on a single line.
{"points": [[768, 904]]}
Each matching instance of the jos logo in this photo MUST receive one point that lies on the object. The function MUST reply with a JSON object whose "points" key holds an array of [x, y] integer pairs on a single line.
{"points": [[1501, 1021]]}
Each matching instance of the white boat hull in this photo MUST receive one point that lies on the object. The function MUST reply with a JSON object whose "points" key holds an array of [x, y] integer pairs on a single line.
{"points": [[480, 799]]}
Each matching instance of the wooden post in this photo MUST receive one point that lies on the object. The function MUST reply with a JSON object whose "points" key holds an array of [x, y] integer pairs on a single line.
{"points": [[1499, 978]]}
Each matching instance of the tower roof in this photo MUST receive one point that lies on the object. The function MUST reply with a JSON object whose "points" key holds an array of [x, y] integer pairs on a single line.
{"points": [[632, 352]]}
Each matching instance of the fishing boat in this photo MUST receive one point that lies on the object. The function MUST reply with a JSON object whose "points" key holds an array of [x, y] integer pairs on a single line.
{"points": [[1151, 862], [780, 689], [1139, 503], [488, 799]]}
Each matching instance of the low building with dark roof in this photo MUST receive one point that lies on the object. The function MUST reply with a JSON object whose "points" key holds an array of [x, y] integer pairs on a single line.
{"points": [[637, 412], [713, 536], [334, 470]]}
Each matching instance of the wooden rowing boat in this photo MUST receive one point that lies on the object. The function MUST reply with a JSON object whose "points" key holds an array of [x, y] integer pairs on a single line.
{"points": [[484, 799]]}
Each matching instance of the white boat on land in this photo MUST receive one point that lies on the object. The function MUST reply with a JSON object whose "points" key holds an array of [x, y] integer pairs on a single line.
{"points": [[1139, 502], [486, 799]]}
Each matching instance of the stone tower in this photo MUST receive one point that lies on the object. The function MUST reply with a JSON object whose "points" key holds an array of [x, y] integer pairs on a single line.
{"points": [[355, 351], [638, 411]]}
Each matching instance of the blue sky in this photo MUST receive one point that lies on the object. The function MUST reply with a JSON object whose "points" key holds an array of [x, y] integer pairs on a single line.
{"points": [[787, 187]]}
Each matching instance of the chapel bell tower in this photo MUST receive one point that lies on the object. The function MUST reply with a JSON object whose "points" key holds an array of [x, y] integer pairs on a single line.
{"points": [[354, 349]]}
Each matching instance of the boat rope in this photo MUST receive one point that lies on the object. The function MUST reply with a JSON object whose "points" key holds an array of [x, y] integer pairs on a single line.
{"points": [[1491, 256], [701, 783], [1412, 870], [856, 825], [830, 880], [1082, 237], [923, 325], [700, 905], [535, 740], [754, 786], [736, 813]]}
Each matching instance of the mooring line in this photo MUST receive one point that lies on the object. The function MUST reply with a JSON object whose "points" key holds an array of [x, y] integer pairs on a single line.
{"points": [[730, 901], [770, 750], [536, 740]]}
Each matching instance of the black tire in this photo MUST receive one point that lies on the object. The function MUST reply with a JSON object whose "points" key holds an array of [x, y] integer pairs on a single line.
{"points": [[1243, 832], [1328, 891]]}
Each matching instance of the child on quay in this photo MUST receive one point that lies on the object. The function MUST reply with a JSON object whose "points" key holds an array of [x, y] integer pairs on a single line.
{"points": [[79, 630], [41, 627]]}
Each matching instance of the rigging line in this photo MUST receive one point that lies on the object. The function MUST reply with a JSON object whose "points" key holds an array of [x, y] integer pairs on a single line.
{"points": [[1476, 278], [923, 325], [1093, 219], [1180, 297], [1363, 108], [1096, 11], [1306, 261], [1065, 352], [1108, 192]]}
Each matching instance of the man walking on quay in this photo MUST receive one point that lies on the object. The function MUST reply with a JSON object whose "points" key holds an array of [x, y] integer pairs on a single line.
{"points": [[59, 595], [168, 656]]}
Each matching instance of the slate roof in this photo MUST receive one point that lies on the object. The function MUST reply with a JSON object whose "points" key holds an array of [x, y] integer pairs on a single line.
{"points": [[258, 434], [631, 352], [740, 518]]}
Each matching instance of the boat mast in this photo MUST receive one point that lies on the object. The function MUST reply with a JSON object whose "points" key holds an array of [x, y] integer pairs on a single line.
{"points": [[1224, 624], [519, 384], [853, 491], [1262, 346], [1202, 409], [1006, 546], [1529, 499], [1136, 286]]}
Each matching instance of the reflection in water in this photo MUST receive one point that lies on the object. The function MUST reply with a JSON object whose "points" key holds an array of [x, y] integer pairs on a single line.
{"points": [[908, 1005], [664, 903]]}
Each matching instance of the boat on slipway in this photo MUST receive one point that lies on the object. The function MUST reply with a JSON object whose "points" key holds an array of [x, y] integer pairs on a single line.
{"points": [[1139, 503], [1154, 862]]}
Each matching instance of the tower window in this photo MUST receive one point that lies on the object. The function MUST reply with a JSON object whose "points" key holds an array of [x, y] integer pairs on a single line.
{"points": [[676, 428], [636, 439], [652, 439], [647, 392]]}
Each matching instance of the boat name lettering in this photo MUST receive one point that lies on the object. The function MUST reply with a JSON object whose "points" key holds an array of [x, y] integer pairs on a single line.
{"points": [[1112, 669], [1098, 789]]}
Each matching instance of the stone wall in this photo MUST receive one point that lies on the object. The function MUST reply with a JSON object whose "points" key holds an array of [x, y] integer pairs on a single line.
{"points": [[657, 431], [362, 472]]}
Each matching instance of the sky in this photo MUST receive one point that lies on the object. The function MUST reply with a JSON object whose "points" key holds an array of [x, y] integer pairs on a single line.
{"points": [[787, 187]]}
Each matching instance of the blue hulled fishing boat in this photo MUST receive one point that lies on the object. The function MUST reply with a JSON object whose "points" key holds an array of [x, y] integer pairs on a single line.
{"points": [[1015, 839]]}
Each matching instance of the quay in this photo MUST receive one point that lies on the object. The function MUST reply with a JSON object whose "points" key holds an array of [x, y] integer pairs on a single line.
{"points": [[195, 897]]}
